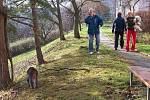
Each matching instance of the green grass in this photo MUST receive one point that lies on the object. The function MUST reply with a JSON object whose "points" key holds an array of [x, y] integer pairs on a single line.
{"points": [[143, 46], [107, 30], [21, 41], [72, 74], [32, 53]]}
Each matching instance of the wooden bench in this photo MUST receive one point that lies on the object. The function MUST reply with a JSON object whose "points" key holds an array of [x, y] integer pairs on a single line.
{"points": [[143, 74]]}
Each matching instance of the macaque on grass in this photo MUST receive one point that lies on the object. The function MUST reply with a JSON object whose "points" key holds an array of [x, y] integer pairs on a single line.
{"points": [[32, 77]]}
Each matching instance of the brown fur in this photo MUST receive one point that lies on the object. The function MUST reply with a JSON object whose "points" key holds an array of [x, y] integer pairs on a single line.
{"points": [[32, 77]]}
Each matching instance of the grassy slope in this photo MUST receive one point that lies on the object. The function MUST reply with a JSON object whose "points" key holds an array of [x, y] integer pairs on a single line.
{"points": [[73, 74], [145, 48], [30, 54]]}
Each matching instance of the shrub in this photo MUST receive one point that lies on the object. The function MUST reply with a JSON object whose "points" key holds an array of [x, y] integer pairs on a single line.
{"points": [[143, 38], [21, 46], [27, 44]]}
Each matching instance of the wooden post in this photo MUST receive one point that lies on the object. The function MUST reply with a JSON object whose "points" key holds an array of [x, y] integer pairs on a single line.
{"points": [[131, 78], [148, 93]]}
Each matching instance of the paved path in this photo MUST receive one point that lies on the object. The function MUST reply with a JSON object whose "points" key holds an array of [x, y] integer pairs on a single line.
{"points": [[135, 58]]}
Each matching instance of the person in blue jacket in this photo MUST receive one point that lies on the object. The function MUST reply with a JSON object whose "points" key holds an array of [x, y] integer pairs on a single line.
{"points": [[93, 21], [119, 26]]}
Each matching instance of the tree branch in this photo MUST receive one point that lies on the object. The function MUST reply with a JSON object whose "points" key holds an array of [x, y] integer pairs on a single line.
{"points": [[54, 21], [135, 5], [47, 5], [54, 3], [83, 3], [18, 21], [20, 3], [15, 2], [16, 16], [67, 9]]}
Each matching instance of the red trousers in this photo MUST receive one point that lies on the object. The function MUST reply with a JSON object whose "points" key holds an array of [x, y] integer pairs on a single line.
{"points": [[128, 35]]}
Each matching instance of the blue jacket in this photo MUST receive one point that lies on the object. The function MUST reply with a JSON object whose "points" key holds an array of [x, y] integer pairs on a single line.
{"points": [[119, 24], [93, 23]]}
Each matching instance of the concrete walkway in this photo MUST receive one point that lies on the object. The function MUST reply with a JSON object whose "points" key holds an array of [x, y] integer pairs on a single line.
{"points": [[136, 59]]}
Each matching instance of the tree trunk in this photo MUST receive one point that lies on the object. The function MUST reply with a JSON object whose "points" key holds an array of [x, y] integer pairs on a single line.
{"points": [[61, 30], [7, 45], [36, 33], [4, 70], [76, 26], [76, 19], [80, 25]]}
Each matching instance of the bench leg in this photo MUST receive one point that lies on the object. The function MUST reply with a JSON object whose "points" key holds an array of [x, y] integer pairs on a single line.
{"points": [[148, 93], [131, 78]]}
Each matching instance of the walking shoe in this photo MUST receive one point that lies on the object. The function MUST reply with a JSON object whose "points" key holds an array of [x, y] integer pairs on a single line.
{"points": [[97, 52], [91, 53], [135, 50], [127, 50], [114, 48]]}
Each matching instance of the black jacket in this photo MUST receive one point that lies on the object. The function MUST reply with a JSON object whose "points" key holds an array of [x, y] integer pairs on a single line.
{"points": [[119, 24]]}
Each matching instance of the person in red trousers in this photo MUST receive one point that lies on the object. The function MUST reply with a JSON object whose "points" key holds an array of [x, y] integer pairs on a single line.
{"points": [[130, 32]]}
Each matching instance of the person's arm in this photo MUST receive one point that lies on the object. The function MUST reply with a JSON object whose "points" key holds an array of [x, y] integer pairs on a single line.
{"points": [[87, 20], [113, 27], [100, 21], [127, 20], [134, 21], [125, 28]]}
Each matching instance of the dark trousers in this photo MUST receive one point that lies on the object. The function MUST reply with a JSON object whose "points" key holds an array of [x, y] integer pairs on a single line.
{"points": [[117, 34]]}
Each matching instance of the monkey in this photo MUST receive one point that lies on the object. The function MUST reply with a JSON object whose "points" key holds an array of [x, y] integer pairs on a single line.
{"points": [[32, 75]]}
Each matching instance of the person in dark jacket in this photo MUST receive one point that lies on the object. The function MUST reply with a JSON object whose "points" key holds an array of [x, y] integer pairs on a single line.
{"points": [[93, 21], [119, 26]]}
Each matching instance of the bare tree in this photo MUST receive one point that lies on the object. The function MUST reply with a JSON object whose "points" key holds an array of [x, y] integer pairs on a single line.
{"points": [[7, 44], [36, 32], [76, 18], [76, 13], [60, 21], [54, 7], [46, 29], [4, 70]]}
